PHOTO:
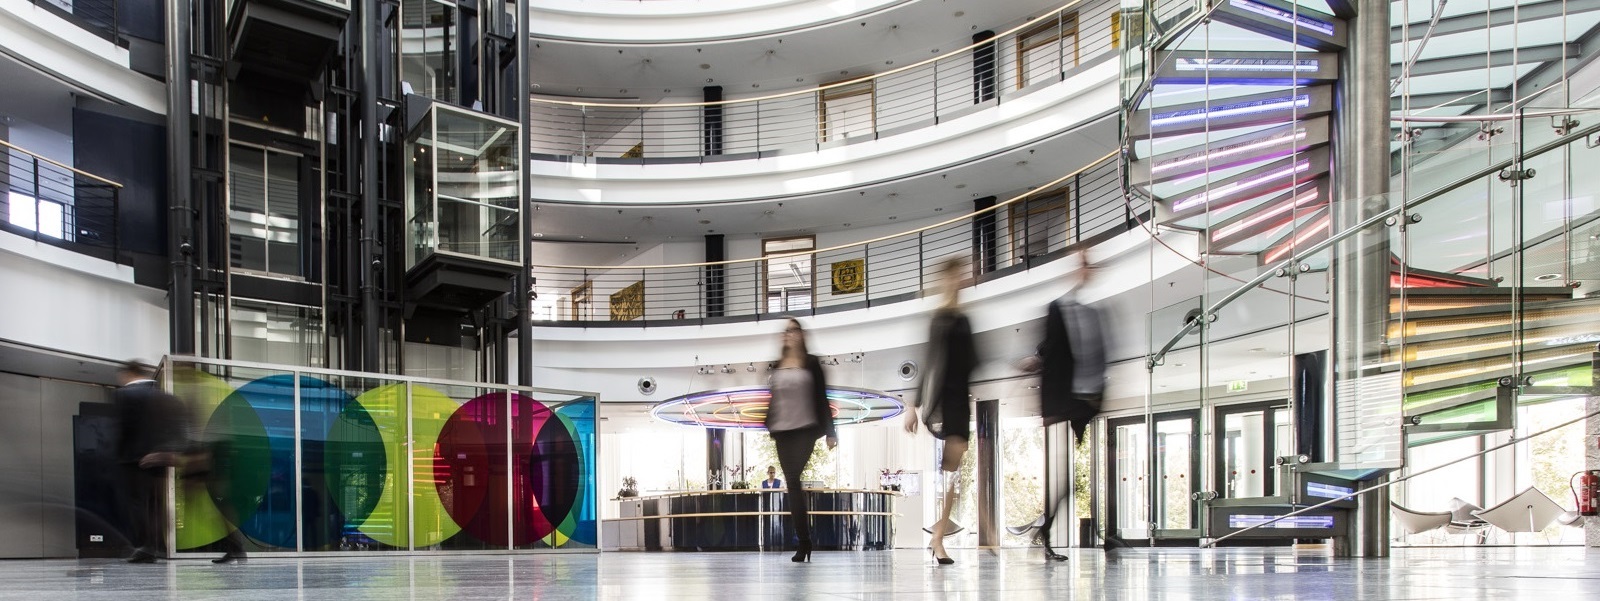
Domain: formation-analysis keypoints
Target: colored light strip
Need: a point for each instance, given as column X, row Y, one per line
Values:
column 1321, row 225
column 1327, row 491
column 1235, row 149
column 1317, row 522
column 1304, row 198
column 1278, row 14
column 1266, row 105
column 1253, row 65
column 747, row 407
column 1224, row 191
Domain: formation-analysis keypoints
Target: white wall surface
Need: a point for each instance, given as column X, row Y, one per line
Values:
column 54, row 45
column 59, row 299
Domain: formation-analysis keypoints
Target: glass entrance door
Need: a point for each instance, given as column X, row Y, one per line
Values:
column 1163, row 508
column 1177, row 467
column 1252, row 437
column 1130, row 491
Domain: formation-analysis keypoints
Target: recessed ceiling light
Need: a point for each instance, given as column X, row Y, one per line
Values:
column 1179, row 364
column 768, row 212
column 960, row 186
column 1258, row 349
column 705, row 222
column 1547, row 277
column 847, row 225
column 538, row 234
column 892, row 218
column 705, row 66
column 960, row 13
column 937, row 209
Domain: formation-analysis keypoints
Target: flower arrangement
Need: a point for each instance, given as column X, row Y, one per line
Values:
column 630, row 488
column 888, row 480
column 738, row 473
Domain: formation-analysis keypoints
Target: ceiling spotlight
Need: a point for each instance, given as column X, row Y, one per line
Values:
column 750, row 368
column 1547, row 277
column 727, row 369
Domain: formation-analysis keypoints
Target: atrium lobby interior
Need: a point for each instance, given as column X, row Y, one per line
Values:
column 511, row 299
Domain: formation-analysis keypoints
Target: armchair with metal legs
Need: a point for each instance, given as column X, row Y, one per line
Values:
column 1529, row 511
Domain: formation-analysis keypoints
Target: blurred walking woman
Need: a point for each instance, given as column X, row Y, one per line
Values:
column 944, row 397
column 798, row 416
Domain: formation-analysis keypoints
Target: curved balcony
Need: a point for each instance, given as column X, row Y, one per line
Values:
column 1005, row 78
column 1073, row 211
column 668, row 21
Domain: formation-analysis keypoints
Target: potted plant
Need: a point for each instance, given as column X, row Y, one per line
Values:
column 630, row 488
column 737, row 474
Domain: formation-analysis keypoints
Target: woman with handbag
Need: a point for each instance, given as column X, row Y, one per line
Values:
column 798, row 415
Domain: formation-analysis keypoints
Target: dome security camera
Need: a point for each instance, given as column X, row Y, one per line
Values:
column 647, row 386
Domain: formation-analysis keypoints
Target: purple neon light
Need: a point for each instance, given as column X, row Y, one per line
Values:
column 1265, row 105
column 1258, row 65
column 746, row 407
column 1223, row 152
column 1221, row 192
column 1278, row 14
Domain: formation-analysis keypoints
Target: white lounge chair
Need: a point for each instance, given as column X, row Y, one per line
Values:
column 1418, row 522
column 1528, row 511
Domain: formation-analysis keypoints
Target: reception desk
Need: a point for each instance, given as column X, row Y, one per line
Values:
column 750, row 520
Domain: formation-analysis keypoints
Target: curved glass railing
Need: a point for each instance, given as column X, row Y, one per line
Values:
column 1041, row 52
column 1073, row 211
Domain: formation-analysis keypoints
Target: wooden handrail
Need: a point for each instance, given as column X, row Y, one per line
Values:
column 58, row 164
column 1041, row 189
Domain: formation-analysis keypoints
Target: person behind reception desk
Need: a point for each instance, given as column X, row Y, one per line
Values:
column 797, row 416
column 772, row 480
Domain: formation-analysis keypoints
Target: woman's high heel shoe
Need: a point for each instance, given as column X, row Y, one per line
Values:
column 804, row 554
column 944, row 561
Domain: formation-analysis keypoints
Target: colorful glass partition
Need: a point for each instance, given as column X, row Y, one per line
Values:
column 299, row 460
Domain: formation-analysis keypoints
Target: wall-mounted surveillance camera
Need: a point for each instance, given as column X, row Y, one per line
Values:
column 908, row 370
column 647, row 386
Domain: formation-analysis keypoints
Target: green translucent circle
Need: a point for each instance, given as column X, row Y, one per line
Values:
column 430, row 409
column 199, row 522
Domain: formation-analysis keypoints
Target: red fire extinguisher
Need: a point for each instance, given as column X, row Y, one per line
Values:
column 1586, row 487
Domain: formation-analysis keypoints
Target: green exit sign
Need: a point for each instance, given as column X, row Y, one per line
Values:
column 1238, row 386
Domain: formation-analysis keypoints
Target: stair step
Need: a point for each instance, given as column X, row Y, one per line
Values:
column 1279, row 20
column 1267, row 144
column 1213, row 67
column 1448, row 323
column 1425, row 303
column 1268, row 179
column 1265, row 108
column 1287, row 208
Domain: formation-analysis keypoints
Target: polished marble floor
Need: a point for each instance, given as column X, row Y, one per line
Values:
column 1541, row 574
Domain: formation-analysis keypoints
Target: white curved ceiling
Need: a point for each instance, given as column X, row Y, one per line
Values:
column 744, row 62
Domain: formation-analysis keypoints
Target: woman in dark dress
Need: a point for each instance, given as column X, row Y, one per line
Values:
column 944, row 399
column 798, row 415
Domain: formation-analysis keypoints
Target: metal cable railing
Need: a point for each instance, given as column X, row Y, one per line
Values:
column 1073, row 211
column 57, row 204
column 96, row 16
column 1043, row 51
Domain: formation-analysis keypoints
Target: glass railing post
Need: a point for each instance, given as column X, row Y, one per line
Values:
column 37, row 199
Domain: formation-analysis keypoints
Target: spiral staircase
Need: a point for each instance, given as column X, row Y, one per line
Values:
column 1228, row 132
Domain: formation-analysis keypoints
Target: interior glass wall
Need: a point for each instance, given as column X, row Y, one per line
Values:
column 264, row 210
column 309, row 460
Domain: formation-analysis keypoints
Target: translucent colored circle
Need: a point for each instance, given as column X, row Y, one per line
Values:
column 580, row 524
column 430, row 410
column 255, row 430
column 471, row 451
column 355, row 470
column 200, row 522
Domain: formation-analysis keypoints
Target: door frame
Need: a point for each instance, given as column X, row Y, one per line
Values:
column 1268, row 444
column 1157, row 536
